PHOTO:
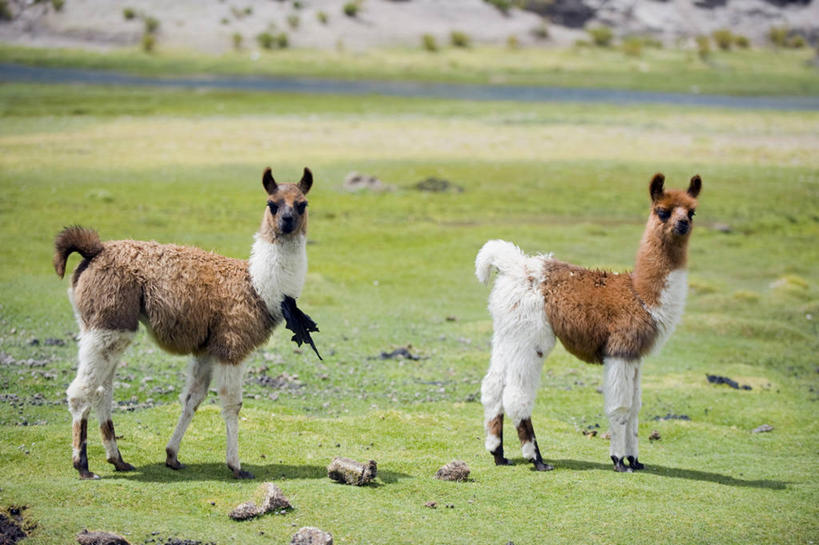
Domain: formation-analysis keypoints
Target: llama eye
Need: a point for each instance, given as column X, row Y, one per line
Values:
column 663, row 214
column 273, row 208
column 691, row 214
column 301, row 207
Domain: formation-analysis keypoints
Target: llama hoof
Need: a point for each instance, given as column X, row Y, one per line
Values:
column 88, row 476
column 242, row 474
column 119, row 465
column 501, row 461
column 174, row 464
column 634, row 463
column 619, row 466
column 541, row 466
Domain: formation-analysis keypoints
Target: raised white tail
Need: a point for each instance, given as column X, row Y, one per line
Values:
column 504, row 256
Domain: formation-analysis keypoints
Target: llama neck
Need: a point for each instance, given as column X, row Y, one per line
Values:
column 277, row 269
column 660, row 279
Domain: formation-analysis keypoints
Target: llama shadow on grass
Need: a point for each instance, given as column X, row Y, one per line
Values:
column 219, row 472
column 676, row 473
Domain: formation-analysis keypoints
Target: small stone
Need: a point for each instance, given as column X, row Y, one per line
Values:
column 431, row 504
column 457, row 470
column 349, row 471
column 655, row 436
column 763, row 429
column 245, row 511
column 274, row 499
column 100, row 538
column 310, row 535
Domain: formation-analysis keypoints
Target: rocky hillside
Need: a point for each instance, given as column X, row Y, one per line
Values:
column 217, row 25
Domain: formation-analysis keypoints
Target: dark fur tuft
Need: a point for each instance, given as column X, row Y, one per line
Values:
column 75, row 239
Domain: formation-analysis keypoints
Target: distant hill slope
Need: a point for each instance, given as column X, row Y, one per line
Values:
column 213, row 25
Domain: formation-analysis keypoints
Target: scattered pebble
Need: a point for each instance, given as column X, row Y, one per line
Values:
column 431, row 504
column 763, row 429
column 457, row 470
column 400, row 353
column 655, row 436
column 100, row 538
column 671, row 416
column 274, row 501
column 311, row 536
column 348, row 471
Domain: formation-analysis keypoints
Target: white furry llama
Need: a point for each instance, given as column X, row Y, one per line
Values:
column 600, row 317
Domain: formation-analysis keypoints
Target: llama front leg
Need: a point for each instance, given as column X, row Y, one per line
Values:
column 198, row 379
column 230, row 392
column 632, row 440
column 618, row 392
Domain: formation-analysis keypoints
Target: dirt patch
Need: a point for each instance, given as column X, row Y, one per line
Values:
column 438, row 185
column 716, row 379
column 13, row 527
column 156, row 539
column 284, row 381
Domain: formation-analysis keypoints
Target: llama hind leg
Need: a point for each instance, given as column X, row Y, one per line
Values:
column 618, row 390
column 196, row 389
column 632, row 440
column 98, row 354
column 492, row 400
column 109, row 438
column 230, row 391
column 522, row 382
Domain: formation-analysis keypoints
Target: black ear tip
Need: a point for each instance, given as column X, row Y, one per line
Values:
column 696, row 179
column 658, row 178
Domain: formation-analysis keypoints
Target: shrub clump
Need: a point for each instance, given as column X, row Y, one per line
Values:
column 267, row 40
column 351, row 9
column 429, row 43
column 723, row 38
column 502, row 6
column 741, row 41
column 148, row 43
column 632, row 46
column 703, row 47
column 541, row 32
column 129, row 14
column 237, row 41
column 5, row 11
column 293, row 21
column 459, row 39
column 322, row 17
column 601, row 36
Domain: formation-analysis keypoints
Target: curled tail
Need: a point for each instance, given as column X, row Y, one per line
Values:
column 75, row 239
column 504, row 256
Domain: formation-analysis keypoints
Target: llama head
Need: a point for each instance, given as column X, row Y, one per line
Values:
column 286, row 212
column 672, row 211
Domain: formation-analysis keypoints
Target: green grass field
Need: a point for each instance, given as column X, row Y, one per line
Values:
column 396, row 268
column 748, row 72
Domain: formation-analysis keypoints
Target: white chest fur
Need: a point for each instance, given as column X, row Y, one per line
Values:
column 670, row 308
column 278, row 269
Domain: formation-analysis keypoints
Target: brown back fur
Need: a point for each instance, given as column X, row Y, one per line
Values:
column 190, row 300
column 598, row 314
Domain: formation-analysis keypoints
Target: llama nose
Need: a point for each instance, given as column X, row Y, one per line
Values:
column 287, row 223
column 681, row 227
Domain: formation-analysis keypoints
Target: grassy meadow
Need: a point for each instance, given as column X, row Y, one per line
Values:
column 762, row 71
column 393, row 269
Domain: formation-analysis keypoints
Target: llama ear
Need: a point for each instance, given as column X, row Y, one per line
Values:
column 696, row 186
column 656, row 187
column 306, row 181
column 268, row 182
